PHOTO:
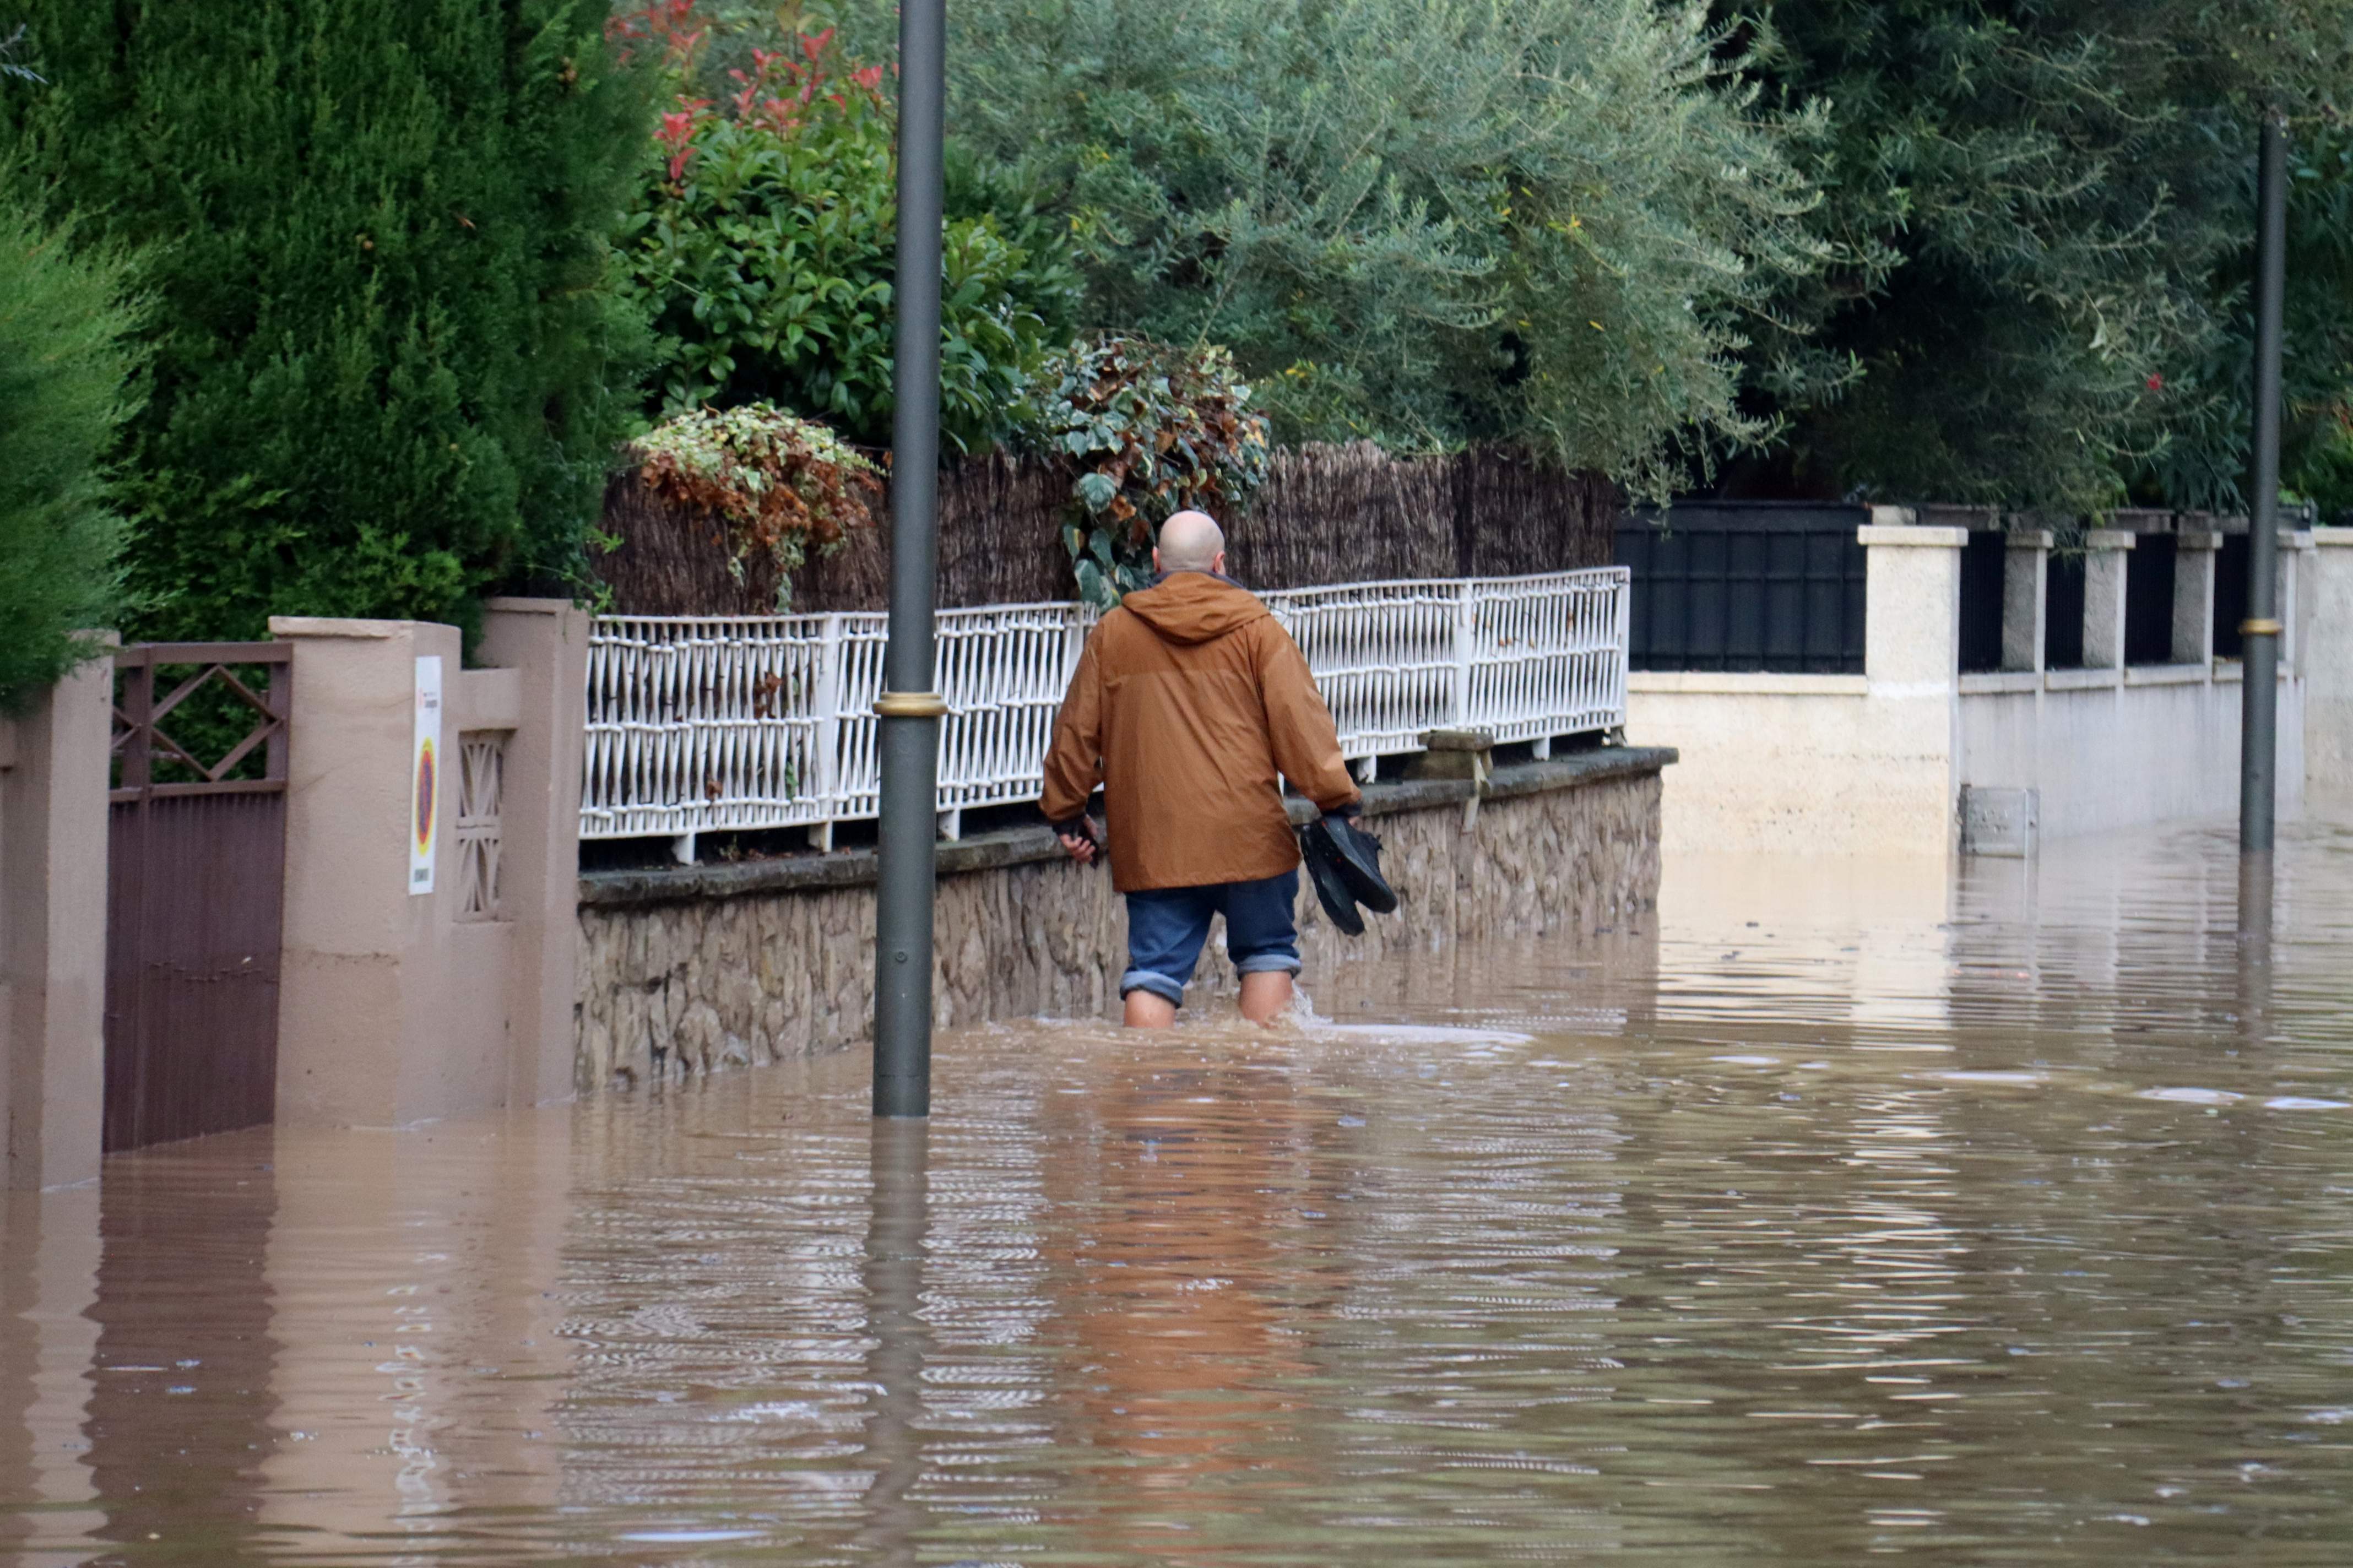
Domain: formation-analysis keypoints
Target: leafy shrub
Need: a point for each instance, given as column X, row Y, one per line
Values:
column 788, row 485
column 1153, row 430
column 762, row 250
column 65, row 389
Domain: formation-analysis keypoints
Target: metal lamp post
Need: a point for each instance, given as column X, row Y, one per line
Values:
column 2260, row 631
column 910, row 710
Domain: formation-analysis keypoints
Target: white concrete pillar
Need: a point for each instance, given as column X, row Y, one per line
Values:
column 53, row 855
column 2195, row 551
column 2295, row 551
column 2025, row 598
column 2328, row 637
column 1912, row 660
column 2106, row 554
column 1912, row 618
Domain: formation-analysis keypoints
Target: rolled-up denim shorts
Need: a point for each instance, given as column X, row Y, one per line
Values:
column 1166, row 926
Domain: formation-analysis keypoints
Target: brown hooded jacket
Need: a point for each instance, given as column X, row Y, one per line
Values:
column 1190, row 699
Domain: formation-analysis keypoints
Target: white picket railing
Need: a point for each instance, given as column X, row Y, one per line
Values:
column 710, row 724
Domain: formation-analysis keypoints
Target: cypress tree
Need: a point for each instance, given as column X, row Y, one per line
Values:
column 384, row 341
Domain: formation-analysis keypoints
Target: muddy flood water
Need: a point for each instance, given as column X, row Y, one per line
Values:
column 1999, row 1218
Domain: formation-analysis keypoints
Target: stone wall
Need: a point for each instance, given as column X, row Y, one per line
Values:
column 689, row 969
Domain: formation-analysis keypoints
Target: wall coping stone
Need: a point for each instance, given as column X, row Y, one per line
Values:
column 1023, row 846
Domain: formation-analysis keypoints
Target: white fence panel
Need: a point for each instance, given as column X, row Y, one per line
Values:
column 714, row 724
column 1385, row 656
column 1549, row 656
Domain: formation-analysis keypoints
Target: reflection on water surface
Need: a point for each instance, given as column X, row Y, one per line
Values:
column 1847, row 1211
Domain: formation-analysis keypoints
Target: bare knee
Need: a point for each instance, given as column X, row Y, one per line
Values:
column 1148, row 1010
column 1266, row 996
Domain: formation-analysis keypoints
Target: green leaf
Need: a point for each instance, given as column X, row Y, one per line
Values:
column 1096, row 491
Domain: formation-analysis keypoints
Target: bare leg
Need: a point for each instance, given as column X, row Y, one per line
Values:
column 1266, row 996
column 1147, row 1011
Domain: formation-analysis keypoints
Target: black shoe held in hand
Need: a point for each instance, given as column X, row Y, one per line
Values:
column 1344, row 863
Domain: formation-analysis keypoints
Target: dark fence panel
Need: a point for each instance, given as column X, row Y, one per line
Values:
column 2149, row 573
column 1746, row 585
column 2062, row 612
column 1984, row 562
column 197, row 858
column 1327, row 514
column 2230, row 594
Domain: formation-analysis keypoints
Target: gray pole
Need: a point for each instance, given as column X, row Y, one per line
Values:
column 2260, row 631
column 897, row 1237
column 910, row 709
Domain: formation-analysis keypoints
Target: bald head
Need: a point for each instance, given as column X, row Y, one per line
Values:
column 1191, row 541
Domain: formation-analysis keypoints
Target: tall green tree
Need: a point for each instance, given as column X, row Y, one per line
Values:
column 66, row 386
column 2041, row 211
column 386, row 341
column 1556, row 222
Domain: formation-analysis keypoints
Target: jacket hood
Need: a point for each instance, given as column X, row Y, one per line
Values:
column 1194, row 607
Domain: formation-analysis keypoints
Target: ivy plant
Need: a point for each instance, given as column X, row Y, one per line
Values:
column 1151, row 430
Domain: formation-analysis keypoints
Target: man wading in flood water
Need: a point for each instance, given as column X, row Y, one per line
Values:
column 1188, row 702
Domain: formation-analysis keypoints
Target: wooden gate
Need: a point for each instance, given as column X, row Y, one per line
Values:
column 197, row 856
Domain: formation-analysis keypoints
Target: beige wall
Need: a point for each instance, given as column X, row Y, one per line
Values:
column 397, row 1008
column 2109, row 748
column 1874, row 764
column 2327, row 661
column 1845, row 763
column 53, row 826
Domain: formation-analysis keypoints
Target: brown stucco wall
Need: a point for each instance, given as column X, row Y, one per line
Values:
column 686, row 970
column 53, row 849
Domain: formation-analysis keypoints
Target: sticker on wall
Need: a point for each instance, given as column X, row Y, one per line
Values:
column 425, row 776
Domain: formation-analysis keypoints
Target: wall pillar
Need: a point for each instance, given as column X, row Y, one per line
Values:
column 53, row 844
column 2196, row 550
column 2328, row 667
column 1912, row 661
column 2297, row 548
column 545, row 642
column 2106, row 554
column 397, row 1006
column 2025, row 598
column 356, row 1014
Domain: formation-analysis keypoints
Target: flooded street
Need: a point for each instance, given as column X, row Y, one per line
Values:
column 2004, row 1220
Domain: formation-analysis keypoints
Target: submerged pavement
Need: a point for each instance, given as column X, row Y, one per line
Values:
column 1998, row 1215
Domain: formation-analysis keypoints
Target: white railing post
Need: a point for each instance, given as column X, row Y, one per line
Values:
column 1466, row 627
column 1621, row 599
column 825, row 737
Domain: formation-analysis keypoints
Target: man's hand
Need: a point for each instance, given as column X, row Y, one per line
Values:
column 1083, row 841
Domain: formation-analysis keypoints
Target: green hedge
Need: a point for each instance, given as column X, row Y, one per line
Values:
column 387, row 333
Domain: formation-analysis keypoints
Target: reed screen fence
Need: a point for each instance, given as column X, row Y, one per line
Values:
column 704, row 724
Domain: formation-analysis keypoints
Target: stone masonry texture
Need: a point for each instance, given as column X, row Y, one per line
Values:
column 676, row 987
